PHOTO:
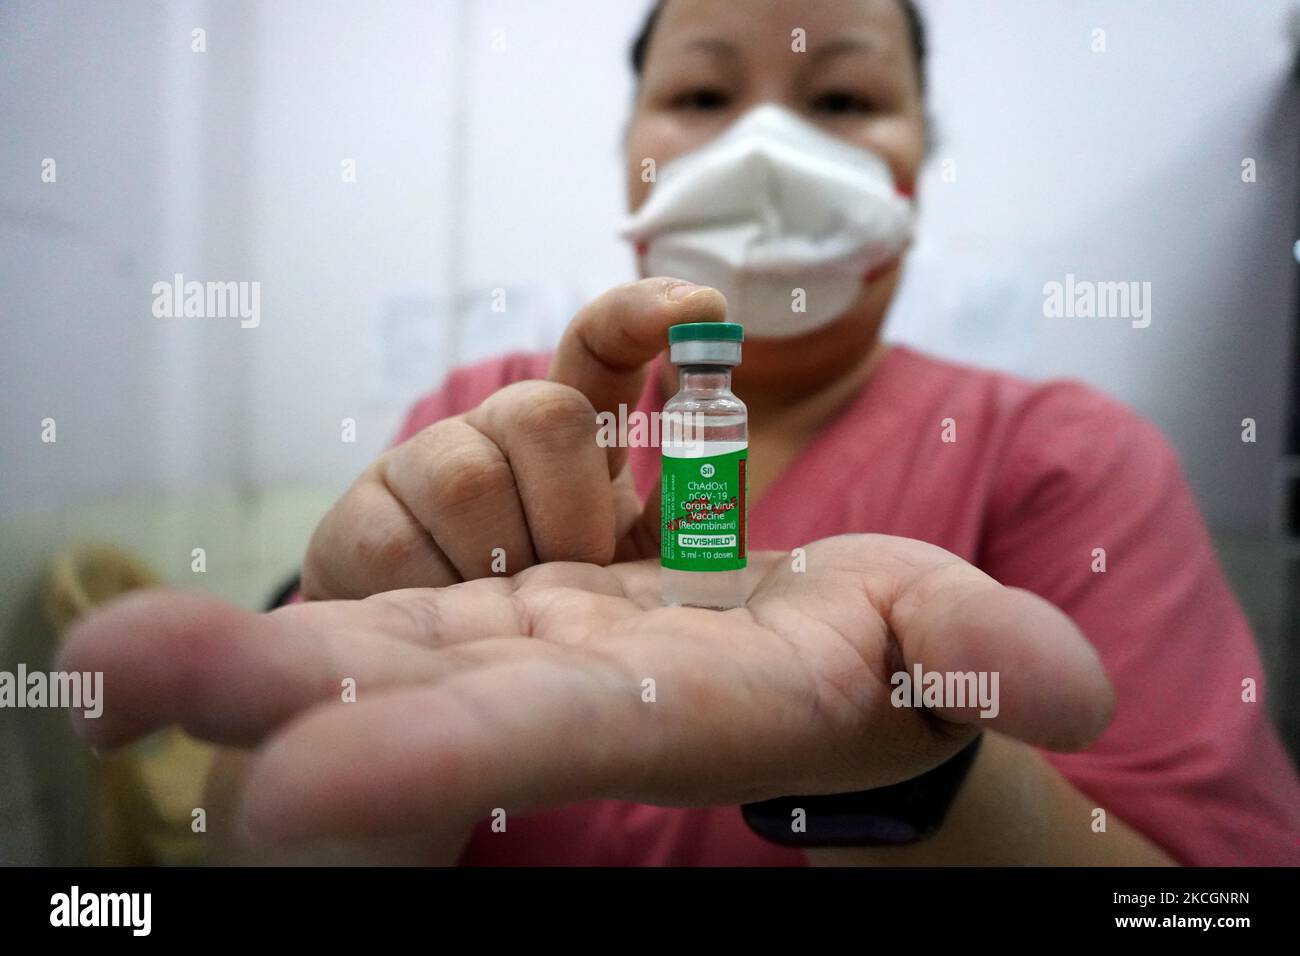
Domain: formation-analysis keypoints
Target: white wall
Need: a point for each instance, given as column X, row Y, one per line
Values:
column 1126, row 165
column 92, row 94
column 480, row 168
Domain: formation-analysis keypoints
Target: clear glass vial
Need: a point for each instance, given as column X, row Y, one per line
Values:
column 705, row 446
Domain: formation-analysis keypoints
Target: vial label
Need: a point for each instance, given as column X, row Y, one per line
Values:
column 704, row 506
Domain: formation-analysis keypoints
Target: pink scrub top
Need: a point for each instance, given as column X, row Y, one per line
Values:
column 1039, row 476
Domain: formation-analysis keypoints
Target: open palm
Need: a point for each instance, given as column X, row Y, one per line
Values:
column 571, row 681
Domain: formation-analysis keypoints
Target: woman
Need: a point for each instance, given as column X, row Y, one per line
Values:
column 560, row 715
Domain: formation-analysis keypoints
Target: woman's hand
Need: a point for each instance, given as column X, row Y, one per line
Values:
column 570, row 681
column 521, row 472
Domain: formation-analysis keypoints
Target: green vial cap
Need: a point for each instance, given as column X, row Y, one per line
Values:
column 706, row 332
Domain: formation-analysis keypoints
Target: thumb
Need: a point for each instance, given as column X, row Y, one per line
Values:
column 1054, row 691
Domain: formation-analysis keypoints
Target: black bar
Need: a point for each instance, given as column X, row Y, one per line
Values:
column 823, row 907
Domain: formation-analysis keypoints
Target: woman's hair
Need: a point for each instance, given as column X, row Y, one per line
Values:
column 915, row 33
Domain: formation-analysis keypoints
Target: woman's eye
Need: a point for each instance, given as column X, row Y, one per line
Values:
column 701, row 99
column 841, row 102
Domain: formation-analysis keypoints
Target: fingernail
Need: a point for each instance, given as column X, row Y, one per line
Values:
column 682, row 290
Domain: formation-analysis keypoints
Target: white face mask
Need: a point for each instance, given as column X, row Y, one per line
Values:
column 782, row 218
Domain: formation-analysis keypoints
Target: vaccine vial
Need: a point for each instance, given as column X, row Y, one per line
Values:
column 705, row 444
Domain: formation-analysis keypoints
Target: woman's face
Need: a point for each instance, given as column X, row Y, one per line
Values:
column 711, row 61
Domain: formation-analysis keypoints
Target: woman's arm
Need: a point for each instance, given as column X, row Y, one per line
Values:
column 1014, row 809
column 1092, row 513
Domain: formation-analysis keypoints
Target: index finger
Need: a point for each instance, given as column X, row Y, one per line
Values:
column 606, row 348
